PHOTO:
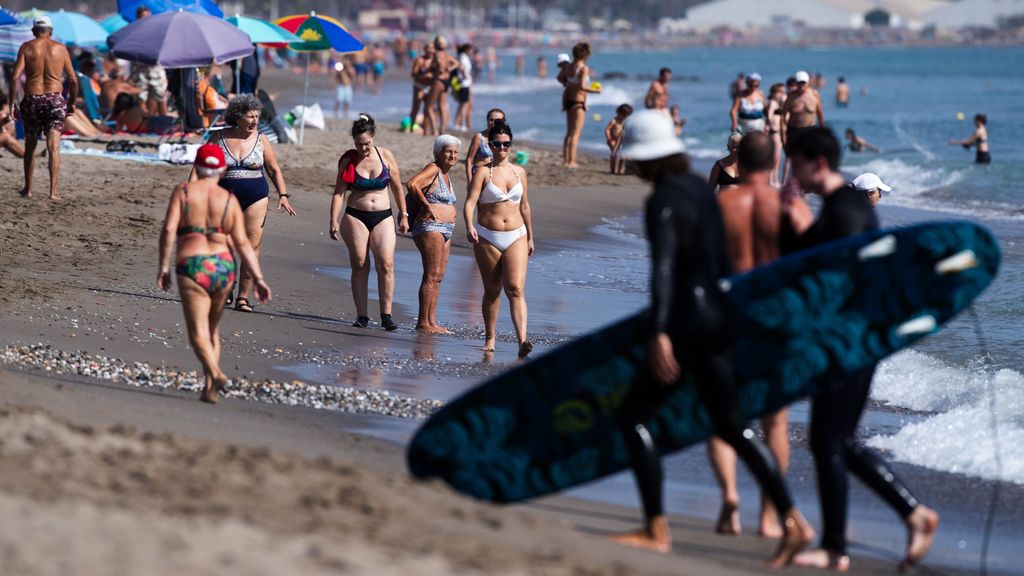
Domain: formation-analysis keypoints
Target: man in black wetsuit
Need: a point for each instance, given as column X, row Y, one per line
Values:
column 836, row 411
column 691, row 323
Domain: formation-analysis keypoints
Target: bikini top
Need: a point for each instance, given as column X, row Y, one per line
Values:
column 724, row 178
column 443, row 194
column 576, row 77
column 248, row 166
column 357, row 182
column 184, row 230
column 492, row 194
column 484, row 151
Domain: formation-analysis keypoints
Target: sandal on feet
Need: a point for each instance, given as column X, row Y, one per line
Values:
column 729, row 519
column 524, row 349
column 361, row 322
column 242, row 305
column 388, row 323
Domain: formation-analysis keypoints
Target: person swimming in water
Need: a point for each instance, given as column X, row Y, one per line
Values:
column 857, row 144
column 979, row 140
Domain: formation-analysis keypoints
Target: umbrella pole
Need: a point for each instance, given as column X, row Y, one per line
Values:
column 305, row 102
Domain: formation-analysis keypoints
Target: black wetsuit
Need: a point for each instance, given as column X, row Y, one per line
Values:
column 836, row 411
column 690, row 255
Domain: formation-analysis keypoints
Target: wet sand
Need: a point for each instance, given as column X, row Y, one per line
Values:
column 246, row 487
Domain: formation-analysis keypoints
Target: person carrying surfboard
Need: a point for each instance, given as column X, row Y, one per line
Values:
column 835, row 411
column 691, row 326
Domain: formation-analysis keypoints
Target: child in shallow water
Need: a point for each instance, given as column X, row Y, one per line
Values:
column 613, row 137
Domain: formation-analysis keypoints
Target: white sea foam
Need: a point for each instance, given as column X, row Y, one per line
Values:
column 611, row 96
column 958, row 438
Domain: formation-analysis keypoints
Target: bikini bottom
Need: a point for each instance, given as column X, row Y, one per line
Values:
column 213, row 272
column 445, row 229
column 370, row 219
column 501, row 239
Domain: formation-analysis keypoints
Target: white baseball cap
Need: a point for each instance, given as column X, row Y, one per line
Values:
column 648, row 135
column 753, row 76
column 802, row 76
column 563, row 57
column 42, row 22
column 869, row 181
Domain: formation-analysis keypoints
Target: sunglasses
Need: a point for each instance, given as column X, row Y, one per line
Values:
column 502, row 145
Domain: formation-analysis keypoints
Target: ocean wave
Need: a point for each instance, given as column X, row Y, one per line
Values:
column 958, row 438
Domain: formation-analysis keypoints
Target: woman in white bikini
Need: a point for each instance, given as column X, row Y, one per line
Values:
column 502, row 237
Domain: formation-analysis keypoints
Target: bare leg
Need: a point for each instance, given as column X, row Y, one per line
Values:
column 417, row 100
column 11, row 144
column 577, row 116
column 488, row 259
column 197, row 306
column 357, row 238
column 443, row 103
column 29, row 162
column 255, row 216
column 776, row 433
column 53, row 149
column 514, row 261
column 433, row 251
column 723, row 462
column 382, row 245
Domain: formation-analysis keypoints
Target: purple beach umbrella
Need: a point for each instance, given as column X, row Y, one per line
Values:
column 180, row 40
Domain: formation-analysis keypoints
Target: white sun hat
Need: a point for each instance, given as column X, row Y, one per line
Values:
column 869, row 181
column 648, row 135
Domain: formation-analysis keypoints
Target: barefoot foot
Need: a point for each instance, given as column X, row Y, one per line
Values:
column 797, row 535
column 25, row 192
column 655, row 537
column 524, row 349
column 489, row 343
column 729, row 519
column 921, row 526
column 769, row 526
column 822, row 560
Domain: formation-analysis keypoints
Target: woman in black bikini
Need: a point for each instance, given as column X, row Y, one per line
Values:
column 979, row 140
column 576, row 79
column 725, row 172
column 368, row 225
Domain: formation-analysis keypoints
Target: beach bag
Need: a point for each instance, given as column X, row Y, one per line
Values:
column 311, row 116
column 412, row 202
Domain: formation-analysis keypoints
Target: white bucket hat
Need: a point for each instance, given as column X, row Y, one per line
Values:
column 648, row 135
column 869, row 181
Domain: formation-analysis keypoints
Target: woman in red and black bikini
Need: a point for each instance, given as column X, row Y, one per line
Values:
column 368, row 225
column 201, row 218
column 576, row 79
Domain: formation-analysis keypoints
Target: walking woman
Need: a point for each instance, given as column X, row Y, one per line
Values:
column 435, row 116
column 250, row 159
column 201, row 218
column 368, row 226
column 434, row 225
column 979, row 140
column 502, row 235
column 576, row 79
column 748, row 107
column 479, row 154
column 776, row 97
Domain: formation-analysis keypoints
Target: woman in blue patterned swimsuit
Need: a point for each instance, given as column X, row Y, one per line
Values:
column 201, row 218
column 434, row 225
column 250, row 159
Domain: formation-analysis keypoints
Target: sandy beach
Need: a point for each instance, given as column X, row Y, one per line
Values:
column 107, row 476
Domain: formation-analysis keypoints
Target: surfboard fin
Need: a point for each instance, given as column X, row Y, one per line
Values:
column 963, row 260
column 921, row 325
column 884, row 246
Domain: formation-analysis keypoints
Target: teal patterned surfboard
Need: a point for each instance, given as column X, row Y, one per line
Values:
column 801, row 323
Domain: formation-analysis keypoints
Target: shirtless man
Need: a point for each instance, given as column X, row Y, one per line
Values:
column 842, row 93
column 657, row 94
column 44, row 62
column 114, row 86
column 344, row 77
column 802, row 109
column 422, row 77
column 752, row 214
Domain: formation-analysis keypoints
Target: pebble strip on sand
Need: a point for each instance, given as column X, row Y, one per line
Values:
column 294, row 393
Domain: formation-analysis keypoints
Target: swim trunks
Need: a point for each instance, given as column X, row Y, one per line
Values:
column 43, row 112
column 792, row 131
column 343, row 94
column 151, row 80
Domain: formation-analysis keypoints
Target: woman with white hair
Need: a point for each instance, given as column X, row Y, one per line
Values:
column 250, row 159
column 433, row 212
column 202, row 218
column 748, row 107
